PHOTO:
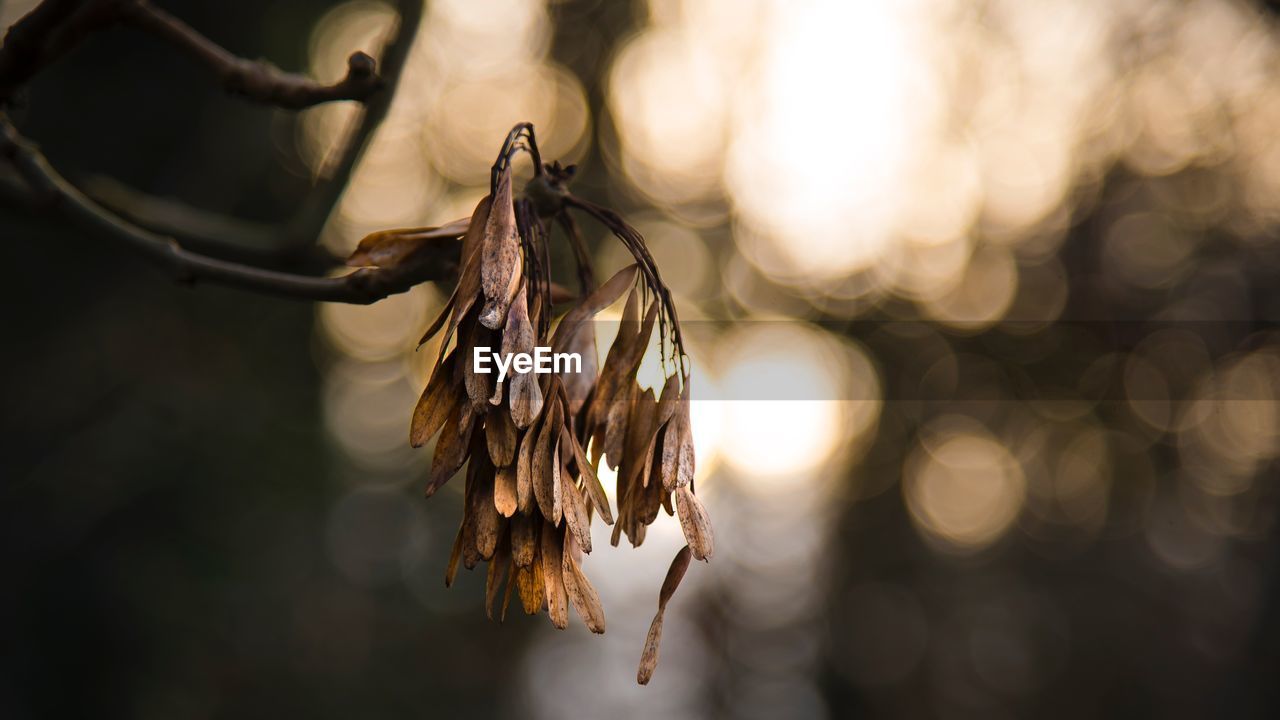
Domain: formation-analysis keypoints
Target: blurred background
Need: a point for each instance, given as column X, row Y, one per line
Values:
column 982, row 301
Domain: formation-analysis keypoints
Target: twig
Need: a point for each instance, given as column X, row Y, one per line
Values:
column 56, row 25
column 318, row 205
column 361, row 287
column 193, row 227
column 256, row 80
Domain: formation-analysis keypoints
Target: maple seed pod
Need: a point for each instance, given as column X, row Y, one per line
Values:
column 401, row 247
column 649, row 656
column 500, row 262
column 524, row 394
column 531, row 444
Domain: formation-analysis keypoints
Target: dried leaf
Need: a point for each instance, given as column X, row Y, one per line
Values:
column 649, row 656
column 469, row 274
column 553, row 576
column 451, row 449
column 684, row 446
column 611, row 404
column 675, row 573
column 595, row 490
column 504, row 491
column 669, row 400
column 545, row 487
column 623, row 520
column 500, row 436
column 439, row 400
column 530, row 587
column 525, row 396
column 603, row 296
column 615, row 433
column 518, row 335
column 664, row 501
column 524, row 471
column 524, row 539
column 391, row 248
column 479, row 385
column 578, row 385
column 500, row 261
column 488, row 522
column 499, row 567
column 612, row 373
column 650, row 500
column 640, row 427
column 636, row 347
column 695, row 522
column 582, row 595
column 526, row 399
column 674, row 450
column 557, row 489
column 445, row 313
column 575, row 511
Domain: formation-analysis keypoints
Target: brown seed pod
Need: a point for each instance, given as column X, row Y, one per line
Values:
column 464, row 295
column 531, row 443
column 524, row 539
column 499, row 569
column 451, row 448
column 649, row 656
column 500, row 436
column 401, row 246
column 529, row 584
column 504, row 491
column 500, row 263
column 553, row 575
column 525, row 495
column 575, row 511
column 518, row 337
column 546, row 465
column 438, row 401
column 590, row 481
column 582, row 595
column 695, row 523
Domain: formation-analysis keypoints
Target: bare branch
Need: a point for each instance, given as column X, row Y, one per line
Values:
column 52, row 193
column 56, row 25
column 193, row 227
column 256, row 80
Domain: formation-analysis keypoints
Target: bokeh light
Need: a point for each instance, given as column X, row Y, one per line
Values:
column 962, row 487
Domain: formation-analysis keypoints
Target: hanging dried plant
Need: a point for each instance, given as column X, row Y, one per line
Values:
column 532, row 442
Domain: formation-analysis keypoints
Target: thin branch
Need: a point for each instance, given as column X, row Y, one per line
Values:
column 53, row 194
column 316, row 208
column 205, row 231
column 256, row 80
column 55, row 25
column 169, row 216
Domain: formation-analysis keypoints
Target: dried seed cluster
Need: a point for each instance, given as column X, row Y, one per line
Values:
column 531, row 489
